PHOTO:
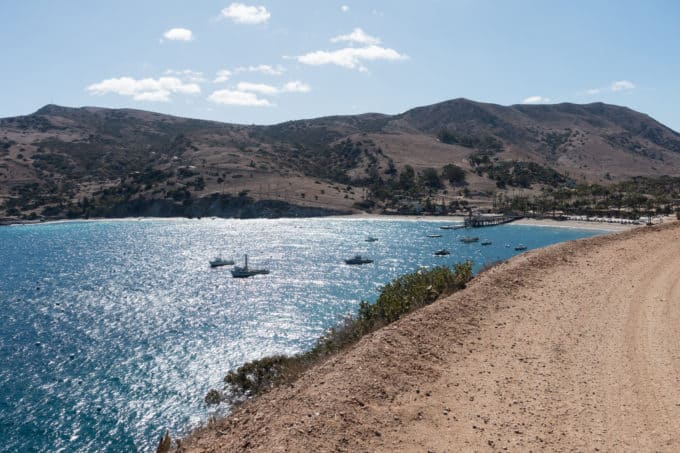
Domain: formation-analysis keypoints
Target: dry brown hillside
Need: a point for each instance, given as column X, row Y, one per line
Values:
column 63, row 161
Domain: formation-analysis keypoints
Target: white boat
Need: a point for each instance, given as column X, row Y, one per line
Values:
column 469, row 239
column 245, row 271
column 218, row 261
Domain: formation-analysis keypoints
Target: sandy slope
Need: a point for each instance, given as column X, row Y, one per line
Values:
column 571, row 348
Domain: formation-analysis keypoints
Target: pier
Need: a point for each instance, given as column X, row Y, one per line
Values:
column 484, row 220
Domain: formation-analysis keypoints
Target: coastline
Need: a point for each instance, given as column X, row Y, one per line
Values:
column 600, row 226
column 370, row 397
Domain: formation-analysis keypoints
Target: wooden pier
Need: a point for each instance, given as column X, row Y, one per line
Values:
column 478, row 221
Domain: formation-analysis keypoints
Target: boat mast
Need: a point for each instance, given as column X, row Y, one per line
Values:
column 246, row 259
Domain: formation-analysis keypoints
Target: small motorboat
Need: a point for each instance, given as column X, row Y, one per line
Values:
column 521, row 247
column 469, row 239
column 486, row 242
column 245, row 271
column 447, row 227
column 434, row 235
column 371, row 239
column 358, row 259
column 218, row 261
column 442, row 252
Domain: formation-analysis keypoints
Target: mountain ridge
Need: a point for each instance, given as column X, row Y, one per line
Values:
column 336, row 162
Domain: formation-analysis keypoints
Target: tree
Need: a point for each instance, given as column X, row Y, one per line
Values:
column 454, row 174
column 430, row 178
column 391, row 169
column 407, row 178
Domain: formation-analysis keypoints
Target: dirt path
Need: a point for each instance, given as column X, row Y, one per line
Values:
column 575, row 347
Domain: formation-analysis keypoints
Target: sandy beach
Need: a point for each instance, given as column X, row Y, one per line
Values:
column 571, row 347
column 602, row 226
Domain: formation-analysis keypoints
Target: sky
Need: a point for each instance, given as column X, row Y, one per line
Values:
column 268, row 61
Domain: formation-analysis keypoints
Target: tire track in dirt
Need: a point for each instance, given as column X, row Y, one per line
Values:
column 652, row 342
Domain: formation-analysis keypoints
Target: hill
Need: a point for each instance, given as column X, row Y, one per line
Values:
column 75, row 162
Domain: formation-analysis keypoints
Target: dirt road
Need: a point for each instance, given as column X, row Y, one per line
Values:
column 571, row 348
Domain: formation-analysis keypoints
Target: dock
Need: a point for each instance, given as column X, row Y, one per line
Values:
column 484, row 220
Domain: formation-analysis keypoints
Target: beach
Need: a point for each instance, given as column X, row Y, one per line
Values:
column 604, row 226
column 588, row 225
column 570, row 347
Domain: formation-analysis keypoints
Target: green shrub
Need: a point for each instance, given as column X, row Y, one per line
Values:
column 417, row 289
column 430, row 178
column 255, row 376
column 454, row 174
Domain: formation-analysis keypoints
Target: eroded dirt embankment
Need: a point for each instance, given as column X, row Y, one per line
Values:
column 572, row 347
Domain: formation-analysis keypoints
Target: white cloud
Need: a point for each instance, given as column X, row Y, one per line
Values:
column 153, row 96
column 246, row 14
column 257, row 88
column 296, row 87
column 535, row 100
column 262, row 69
column 178, row 34
column 344, row 8
column 291, row 87
column 222, row 76
column 357, row 36
column 241, row 98
column 158, row 90
column 187, row 74
column 622, row 85
column 351, row 57
column 619, row 85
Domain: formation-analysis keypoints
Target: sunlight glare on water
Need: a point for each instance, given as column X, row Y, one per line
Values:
column 114, row 330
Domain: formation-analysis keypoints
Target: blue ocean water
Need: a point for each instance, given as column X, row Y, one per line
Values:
column 113, row 331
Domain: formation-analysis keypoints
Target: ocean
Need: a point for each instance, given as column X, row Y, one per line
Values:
column 113, row 331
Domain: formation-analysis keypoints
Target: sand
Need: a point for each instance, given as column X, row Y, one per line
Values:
column 573, row 347
column 582, row 225
column 601, row 226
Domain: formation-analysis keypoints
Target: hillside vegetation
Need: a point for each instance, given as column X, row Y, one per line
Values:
column 83, row 162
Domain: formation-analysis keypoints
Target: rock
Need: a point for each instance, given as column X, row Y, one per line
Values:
column 165, row 443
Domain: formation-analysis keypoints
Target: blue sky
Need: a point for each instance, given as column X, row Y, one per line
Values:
column 281, row 60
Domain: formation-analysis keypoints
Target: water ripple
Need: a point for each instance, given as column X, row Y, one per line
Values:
column 113, row 331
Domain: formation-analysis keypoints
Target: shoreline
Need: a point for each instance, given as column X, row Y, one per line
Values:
column 600, row 226
column 375, row 386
